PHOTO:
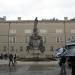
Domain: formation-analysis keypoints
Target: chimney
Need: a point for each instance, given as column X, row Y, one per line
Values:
column 65, row 18
column 19, row 18
column 4, row 17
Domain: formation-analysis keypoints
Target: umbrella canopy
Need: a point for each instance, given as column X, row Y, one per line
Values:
column 70, row 52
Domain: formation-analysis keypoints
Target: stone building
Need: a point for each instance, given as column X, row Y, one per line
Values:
column 14, row 36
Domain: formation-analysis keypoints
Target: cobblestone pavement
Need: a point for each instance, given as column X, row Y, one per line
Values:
column 31, row 68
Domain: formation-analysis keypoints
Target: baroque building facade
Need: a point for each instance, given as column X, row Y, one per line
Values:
column 14, row 36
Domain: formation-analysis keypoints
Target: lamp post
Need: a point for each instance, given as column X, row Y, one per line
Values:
column 64, row 33
column 8, row 36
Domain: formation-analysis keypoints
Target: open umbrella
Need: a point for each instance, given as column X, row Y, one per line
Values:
column 70, row 52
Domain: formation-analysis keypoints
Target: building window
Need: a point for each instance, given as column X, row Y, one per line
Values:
column 12, row 39
column 58, row 39
column 72, row 34
column 73, row 37
column 12, row 48
column 28, row 31
column 21, row 48
column 4, row 48
column 51, row 48
column 27, row 38
column 43, row 31
column 72, row 31
column 59, row 31
column 12, row 31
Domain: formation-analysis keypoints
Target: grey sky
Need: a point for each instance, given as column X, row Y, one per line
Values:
column 29, row 9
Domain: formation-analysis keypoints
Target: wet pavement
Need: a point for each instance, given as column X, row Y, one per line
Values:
column 32, row 68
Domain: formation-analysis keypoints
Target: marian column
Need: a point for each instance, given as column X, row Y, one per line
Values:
column 36, row 41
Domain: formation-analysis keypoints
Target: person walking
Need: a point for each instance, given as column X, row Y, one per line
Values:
column 62, row 65
column 11, row 60
column 14, row 58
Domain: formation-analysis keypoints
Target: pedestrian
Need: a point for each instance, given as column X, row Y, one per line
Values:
column 1, row 57
column 11, row 60
column 62, row 65
column 14, row 58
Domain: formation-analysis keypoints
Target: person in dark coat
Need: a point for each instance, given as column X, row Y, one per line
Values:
column 15, row 59
column 72, row 59
column 11, row 59
column 62, row 65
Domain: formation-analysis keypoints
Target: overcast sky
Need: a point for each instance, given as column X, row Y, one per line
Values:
column 29, row 9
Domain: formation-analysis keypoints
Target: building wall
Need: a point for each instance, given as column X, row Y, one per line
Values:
column 14, row 38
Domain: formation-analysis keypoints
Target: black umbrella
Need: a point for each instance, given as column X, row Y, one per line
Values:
column 70, row 52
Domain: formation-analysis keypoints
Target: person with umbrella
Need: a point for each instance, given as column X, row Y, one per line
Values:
column 62, row 65
column 71, row 54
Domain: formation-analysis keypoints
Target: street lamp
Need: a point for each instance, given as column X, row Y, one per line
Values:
column 8, row 36
column 65, row 32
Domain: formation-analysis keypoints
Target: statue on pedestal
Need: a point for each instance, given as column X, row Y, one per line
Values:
column 36, row 41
